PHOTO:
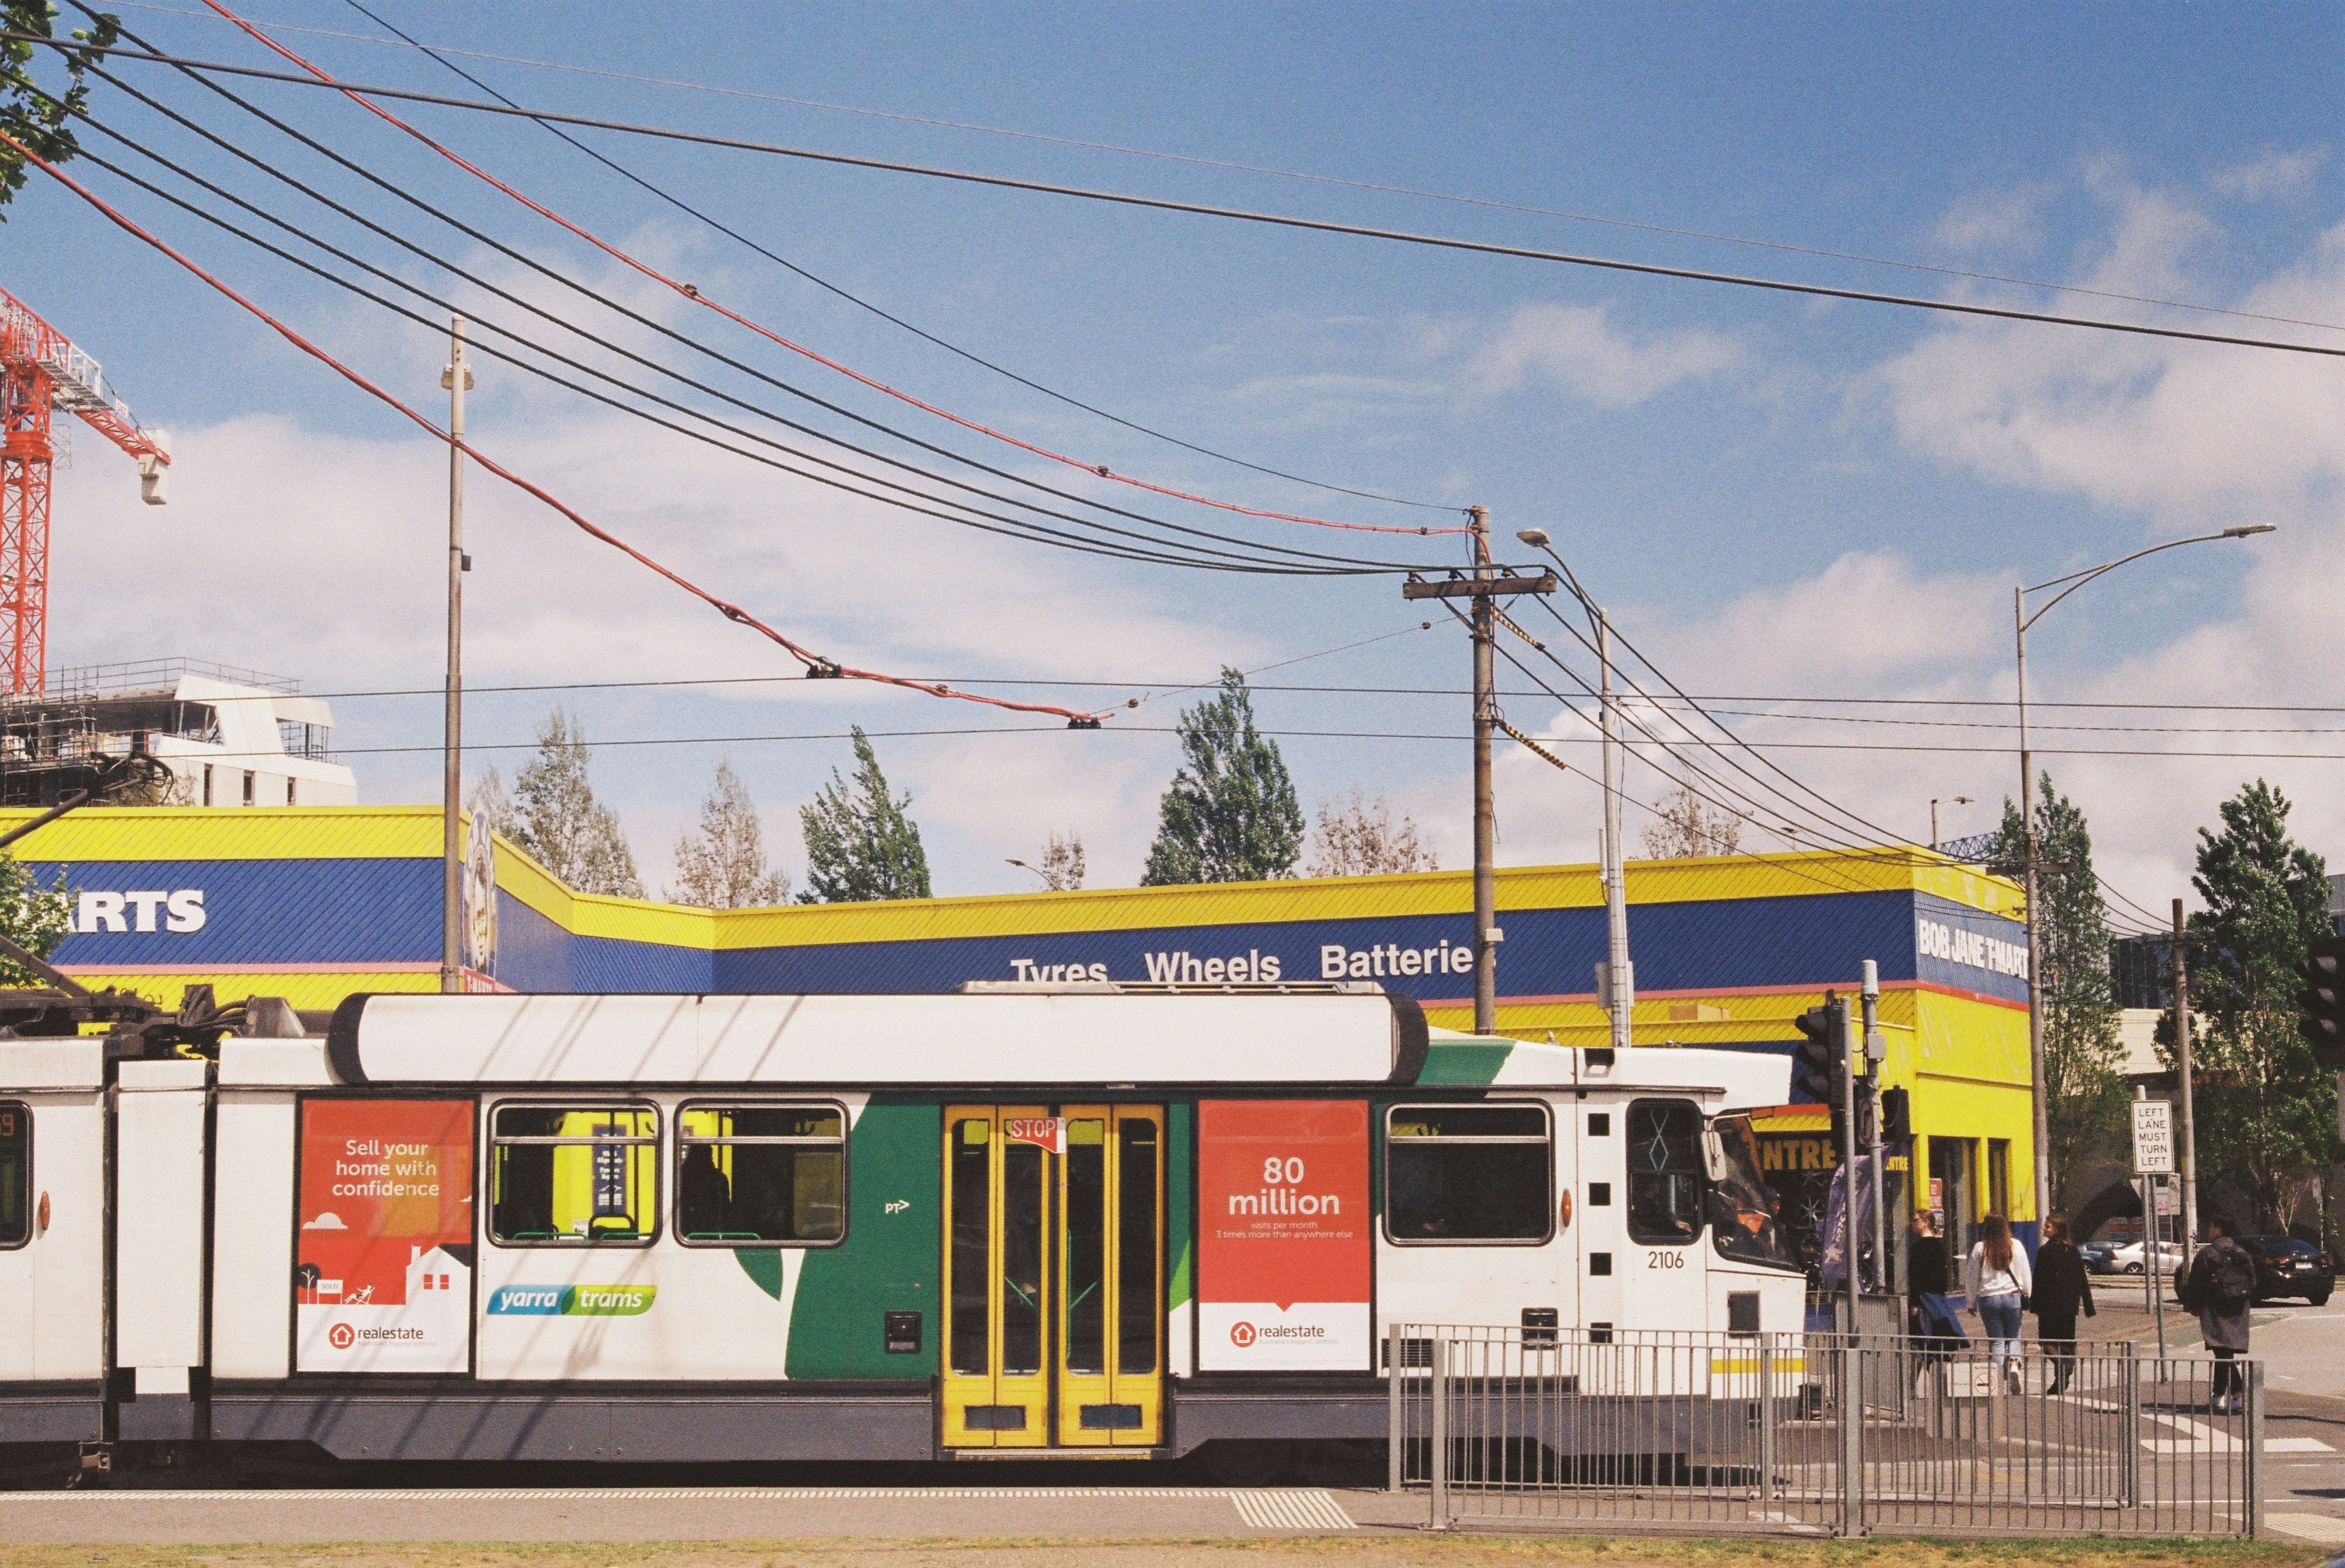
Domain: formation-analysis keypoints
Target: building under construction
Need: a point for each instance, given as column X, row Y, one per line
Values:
column 171, row 732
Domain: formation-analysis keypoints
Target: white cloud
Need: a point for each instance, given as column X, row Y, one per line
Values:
column 1577, row 349
column 2274, row 174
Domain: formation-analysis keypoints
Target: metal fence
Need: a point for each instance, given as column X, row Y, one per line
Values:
column 1819, row 1434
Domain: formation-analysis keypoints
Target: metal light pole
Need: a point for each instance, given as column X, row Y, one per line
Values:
column 1620, row 974
column 458, row 379
column 2022, row 620
column 1934, row 803
column 2182, row 1060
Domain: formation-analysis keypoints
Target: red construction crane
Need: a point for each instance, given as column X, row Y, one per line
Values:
column 40, row 369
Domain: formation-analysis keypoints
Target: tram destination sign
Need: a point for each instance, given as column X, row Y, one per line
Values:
column 2153, row 1138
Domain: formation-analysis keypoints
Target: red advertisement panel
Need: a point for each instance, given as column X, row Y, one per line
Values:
column 1282, row 1234
column 382, row 1274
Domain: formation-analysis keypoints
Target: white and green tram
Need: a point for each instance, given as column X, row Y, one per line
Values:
column 1075, row 1220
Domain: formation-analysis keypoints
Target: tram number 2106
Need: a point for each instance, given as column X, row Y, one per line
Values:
column 1664, row 1260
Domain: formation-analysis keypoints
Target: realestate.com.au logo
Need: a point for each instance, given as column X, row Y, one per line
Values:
column 571, row 1301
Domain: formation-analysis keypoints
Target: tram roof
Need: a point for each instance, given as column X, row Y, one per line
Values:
column 994, row 1036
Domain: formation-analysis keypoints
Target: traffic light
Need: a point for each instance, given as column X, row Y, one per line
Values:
column 1896, row 1116
column 2323, row 1001
column 1820, row 1065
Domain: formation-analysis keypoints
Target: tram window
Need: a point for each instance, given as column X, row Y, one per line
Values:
column 16, row 1174
column 1139, row 1302
column 750, row 1174
column 573, row 1175
column 972, row 1146
column 1665, row 1170
column 1743, row 1221
column 1467, row 1174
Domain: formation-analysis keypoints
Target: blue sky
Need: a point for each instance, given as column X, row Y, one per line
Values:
column 1777, row 496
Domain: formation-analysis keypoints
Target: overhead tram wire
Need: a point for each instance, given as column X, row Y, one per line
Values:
column 1862, row 821
column 1789, row 833
column 1491, row 203
column 1017, row 528
column 691, row 292
column 672, row 199
column 815, row 663
column 1202, row 209
column 661, row 328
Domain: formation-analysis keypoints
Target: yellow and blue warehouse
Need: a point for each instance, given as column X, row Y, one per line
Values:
column 314, row 903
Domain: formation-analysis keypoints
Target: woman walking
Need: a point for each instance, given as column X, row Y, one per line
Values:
column 1997, row 1278
column 2061, row 1287
column 2221, row 1288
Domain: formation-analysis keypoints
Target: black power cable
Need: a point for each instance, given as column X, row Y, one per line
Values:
column 556, row 276
column 1202, row 209
column 823, row 283
column 1019, row 528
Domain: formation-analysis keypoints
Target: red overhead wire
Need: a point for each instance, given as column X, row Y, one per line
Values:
column 693, row 293
column 813, row 661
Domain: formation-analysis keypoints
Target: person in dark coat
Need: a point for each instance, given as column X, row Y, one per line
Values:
column 1929, row 1277
column 2062, row 1285
column 2220, row 1288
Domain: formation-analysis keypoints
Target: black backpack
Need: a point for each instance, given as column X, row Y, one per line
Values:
column 2232, row 1277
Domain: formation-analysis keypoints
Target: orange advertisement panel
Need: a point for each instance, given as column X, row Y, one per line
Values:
column 382, row 1275
column 1283, row 1235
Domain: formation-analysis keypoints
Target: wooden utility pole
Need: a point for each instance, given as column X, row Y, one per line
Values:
column 457, row 379
column 1483, row 587
column 1487, row 933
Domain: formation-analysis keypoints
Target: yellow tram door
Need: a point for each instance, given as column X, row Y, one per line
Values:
column 1110, row 1293
column 997, row 1192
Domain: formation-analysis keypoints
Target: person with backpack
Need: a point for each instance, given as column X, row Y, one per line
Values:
column 2061, row 1287
column 2220, row 1287
column 1997, row 1280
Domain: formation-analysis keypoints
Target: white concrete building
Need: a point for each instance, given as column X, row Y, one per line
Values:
column 225, row 737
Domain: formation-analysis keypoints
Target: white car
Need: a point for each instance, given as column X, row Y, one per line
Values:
column 2128, row 1258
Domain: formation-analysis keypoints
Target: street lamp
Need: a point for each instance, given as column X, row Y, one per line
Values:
column 1021, row 865
column 1620, row 978
column 2022, row 620
column 1934, row 803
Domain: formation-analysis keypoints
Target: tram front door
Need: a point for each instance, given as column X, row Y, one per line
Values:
column 1054, row 1297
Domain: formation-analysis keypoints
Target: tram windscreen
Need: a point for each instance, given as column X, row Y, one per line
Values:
column 1665, row 1171
column 1742, row 1219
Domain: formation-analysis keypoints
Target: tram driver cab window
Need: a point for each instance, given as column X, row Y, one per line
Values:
column 1666, row 1170
column 1474, row 1174
column 16, row 1174
column 753, row 1174
column 573, row 1175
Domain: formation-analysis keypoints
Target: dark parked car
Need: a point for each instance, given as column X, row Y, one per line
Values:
column 2100, row 1256
column 2287, row 1267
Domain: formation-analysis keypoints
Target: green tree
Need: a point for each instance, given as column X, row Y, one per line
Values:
column 2084, row 1089
column 34, row 917
column 860, row 845
column 722, row 865
column 2267, row 1114
column 40, row 120
column 1231, row 815
column 556, row 818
